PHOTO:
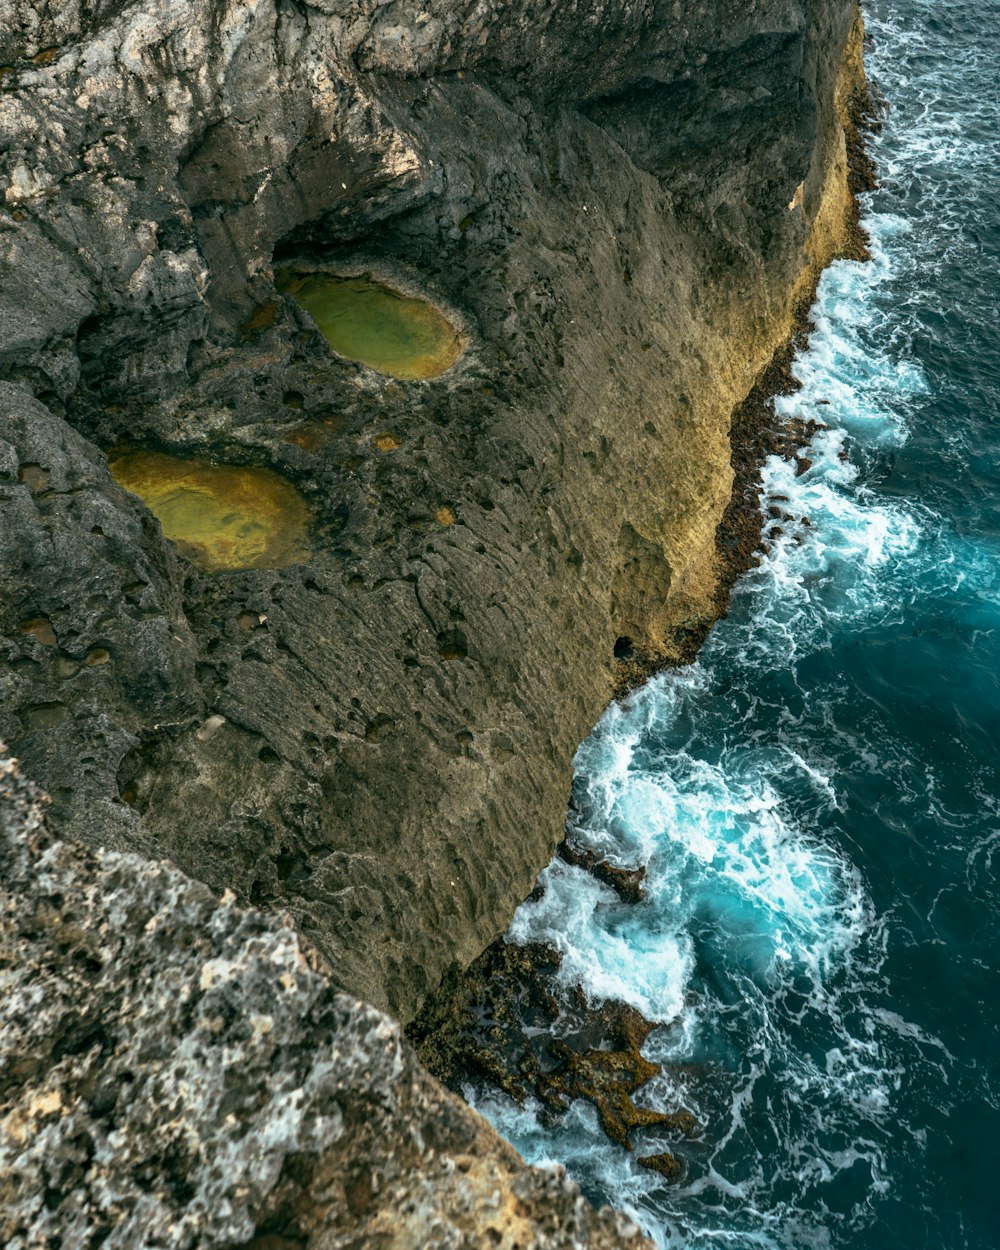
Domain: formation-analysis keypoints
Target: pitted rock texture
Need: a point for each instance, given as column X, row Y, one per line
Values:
column 175, row 1071
column 618, row 201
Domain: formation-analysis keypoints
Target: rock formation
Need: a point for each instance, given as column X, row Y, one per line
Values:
column 176, row 1071
column 619, row 201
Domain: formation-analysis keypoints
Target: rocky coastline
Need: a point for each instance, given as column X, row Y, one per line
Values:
column 379, row 741
column 622, row 208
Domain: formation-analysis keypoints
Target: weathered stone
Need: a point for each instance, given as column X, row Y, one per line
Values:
column 620, row 201
column 177, row 1071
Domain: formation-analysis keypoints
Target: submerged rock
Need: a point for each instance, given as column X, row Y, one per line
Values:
column 177, row 1071
column 665, row 1163
column 626, row 882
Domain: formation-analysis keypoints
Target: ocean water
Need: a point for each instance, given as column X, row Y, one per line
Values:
column 818, row 798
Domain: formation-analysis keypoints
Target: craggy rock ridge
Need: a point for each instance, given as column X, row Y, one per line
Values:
column 175, row 1071
column 502, row 1023
column 619, row 201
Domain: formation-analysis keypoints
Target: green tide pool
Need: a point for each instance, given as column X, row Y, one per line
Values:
column 367, row 321
column 220, row 516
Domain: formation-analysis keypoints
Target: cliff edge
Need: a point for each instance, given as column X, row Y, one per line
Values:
column 174, row 1071
column 614, row 204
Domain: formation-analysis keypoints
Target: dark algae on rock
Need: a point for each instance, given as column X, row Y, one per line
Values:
column 503, row 1022
column 626, row 882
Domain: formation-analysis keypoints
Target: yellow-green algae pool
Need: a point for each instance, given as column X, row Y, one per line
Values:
column 220, row 516
column 371, row 323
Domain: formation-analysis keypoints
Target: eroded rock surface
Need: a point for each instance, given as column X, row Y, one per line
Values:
column 177, row 1071
column 618, row 200
column 504, row 1023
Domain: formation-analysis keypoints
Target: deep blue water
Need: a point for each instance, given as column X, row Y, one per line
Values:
column 818, row 798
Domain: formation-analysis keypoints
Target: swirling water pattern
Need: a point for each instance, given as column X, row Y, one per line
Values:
column 818, row 798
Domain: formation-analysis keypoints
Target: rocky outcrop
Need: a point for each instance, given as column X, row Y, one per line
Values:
column 176, row 1071
column 620, row 200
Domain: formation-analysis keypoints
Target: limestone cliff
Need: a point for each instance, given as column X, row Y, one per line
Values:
column 617, row 200
column 175, row 1072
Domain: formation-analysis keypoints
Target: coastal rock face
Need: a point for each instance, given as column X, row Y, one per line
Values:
column 175, row 1071
column 618, row 202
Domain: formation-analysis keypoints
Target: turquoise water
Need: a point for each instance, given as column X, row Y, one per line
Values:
column 817, row 798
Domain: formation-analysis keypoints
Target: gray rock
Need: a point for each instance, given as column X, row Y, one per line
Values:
column 380, row 742
column 177, row 1071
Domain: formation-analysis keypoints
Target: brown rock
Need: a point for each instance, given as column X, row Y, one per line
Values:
column 665, row 1163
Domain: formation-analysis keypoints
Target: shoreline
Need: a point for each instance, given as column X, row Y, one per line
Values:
column 755, row 431
column 375, row 747
column 508, row 984
column 380, row 743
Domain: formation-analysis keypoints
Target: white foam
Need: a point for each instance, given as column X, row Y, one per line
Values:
column 633, row 963
column 757, row 944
